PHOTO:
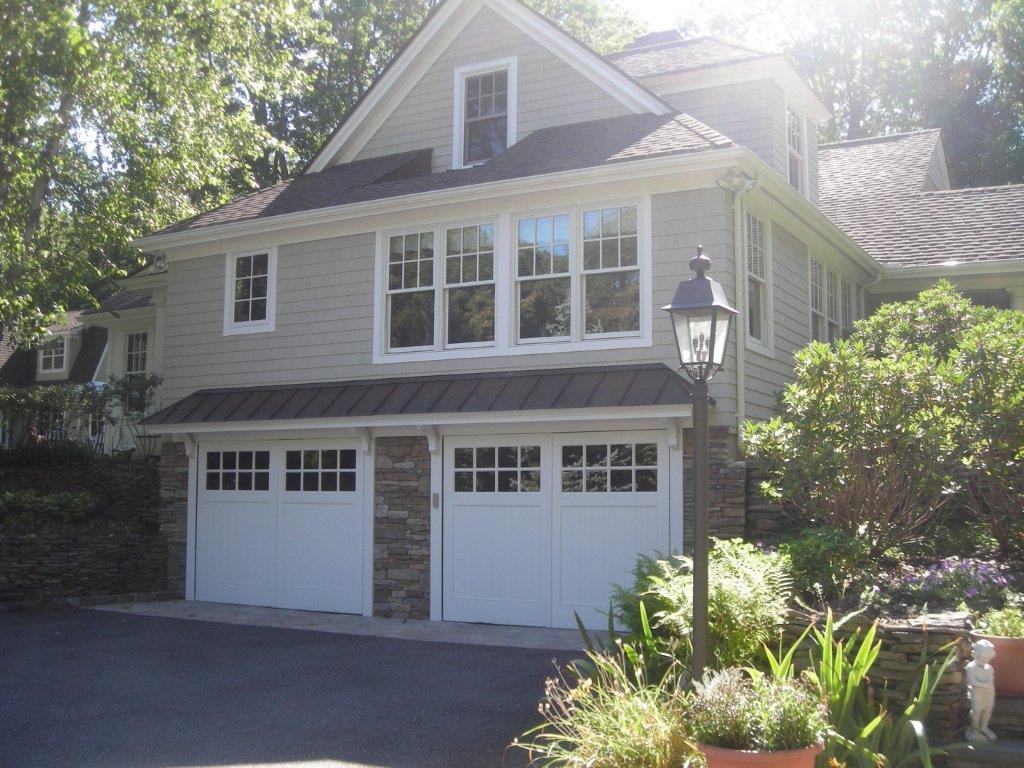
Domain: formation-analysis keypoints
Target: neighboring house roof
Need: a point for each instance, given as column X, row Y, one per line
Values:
column 680, row 55
column 122, row 301
column 18, row 366
column 548, row 150
column 877, row 190
column 90, row 352
column 599, row 387
column 69, row 322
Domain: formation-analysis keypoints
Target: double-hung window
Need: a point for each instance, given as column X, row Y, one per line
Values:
column 469, row 284
column 758, row 316
column 834, row 319
column 250, row 290
column 797, row 145
column 817, row 281
column 136, row 352
column 485, row 111
column 543, row 278
column 53, row 355
column 411, row 291
column 846, row 296
column 611, row 273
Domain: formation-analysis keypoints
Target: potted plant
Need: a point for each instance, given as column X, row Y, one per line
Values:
column 1005, row 630
column 743, row 720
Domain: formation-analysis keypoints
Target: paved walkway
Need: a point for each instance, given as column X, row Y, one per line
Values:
column 100, row 689
column 397, row 629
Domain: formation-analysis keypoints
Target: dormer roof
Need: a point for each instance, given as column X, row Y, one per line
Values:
column 677, row 55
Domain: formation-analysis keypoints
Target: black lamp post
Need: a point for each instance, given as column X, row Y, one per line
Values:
column 702, row 318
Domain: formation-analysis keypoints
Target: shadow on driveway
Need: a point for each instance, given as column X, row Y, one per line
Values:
column 90, row 688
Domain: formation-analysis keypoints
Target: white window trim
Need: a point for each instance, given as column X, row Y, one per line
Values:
column 805, row 174
column 231, row 328
column 63, row 338
column 505, row 309
column 811, row 311
column 458, row 129
column 149, row 346
column 764, row 346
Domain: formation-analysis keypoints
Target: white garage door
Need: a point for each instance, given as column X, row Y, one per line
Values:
column 539, row 528
column 281, row 523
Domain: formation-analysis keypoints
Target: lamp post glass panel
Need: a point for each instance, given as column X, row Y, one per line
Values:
column 702, row 318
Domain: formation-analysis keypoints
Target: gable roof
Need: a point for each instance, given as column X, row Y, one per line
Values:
column 679, row 55
column 877, row 191
column 18, row 365
column 427, row 43
column 574, row 146
column 121, row 302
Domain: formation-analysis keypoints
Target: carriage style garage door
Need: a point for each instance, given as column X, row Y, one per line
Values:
column 281, row 523
column 537, row 527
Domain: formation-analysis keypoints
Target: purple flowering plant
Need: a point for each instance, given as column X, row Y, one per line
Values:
column 957, row 580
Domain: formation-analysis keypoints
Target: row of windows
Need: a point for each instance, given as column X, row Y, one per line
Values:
column 448, row 300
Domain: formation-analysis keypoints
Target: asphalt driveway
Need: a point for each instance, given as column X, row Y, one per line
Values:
column 89, row 688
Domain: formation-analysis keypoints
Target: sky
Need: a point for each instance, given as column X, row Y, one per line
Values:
column 663, row 14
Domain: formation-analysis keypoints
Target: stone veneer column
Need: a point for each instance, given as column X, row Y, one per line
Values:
column 727, row 499
column 174, row 512
column 401, row 528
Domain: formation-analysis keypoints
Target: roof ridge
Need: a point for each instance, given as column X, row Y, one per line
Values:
column 703, row 130
column 687, row 41
column 878, row 139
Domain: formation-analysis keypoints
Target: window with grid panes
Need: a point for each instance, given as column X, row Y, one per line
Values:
column 469, row 284
column 611, row 273
column 410, row 293
column 543, row 282
column 252, row 280
column 486, row 116
column 834, row 325
column 819, row 329
column 757, row 279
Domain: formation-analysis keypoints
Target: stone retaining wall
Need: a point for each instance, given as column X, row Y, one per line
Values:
column 173, row 514
column 120, row 551
column 401, row 528
column 727, row 500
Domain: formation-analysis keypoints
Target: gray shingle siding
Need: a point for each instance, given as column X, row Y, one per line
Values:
column 550, row 92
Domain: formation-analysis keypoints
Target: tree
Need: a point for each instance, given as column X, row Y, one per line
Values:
column 886, row 66
column 119, row 116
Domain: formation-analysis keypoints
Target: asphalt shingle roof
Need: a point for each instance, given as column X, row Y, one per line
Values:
column 121, row 301
column 680, row 55
column 876, row 191
column 529, row 390
column 548, row 150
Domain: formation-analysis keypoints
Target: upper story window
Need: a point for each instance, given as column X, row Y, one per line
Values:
column 250, row 290
column 758, row 316
column 485, row 111
column 835, row 328
column 53, row 355
column 819, row 330
column 796, row 134
column 135, row 361
column 530, row 282
column 846, row 300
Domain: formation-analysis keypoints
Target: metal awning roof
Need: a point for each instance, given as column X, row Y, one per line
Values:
column 462, row 393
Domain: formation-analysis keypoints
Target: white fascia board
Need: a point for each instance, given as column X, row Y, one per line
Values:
column 963, row 269
column 625, row 171
column 777, row 68
column 539, row 416
column 772, row 183
column 432, row 40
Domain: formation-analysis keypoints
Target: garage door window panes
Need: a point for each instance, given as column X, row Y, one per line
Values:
column 614, row 467
column 320, row 470
column 498, row 469
column 238, row 471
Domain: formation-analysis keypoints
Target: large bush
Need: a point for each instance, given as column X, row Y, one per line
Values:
column 878, row 431
column 749, row 591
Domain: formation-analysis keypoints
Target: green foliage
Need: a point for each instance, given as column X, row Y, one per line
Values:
column 749, row 593
column 755, row 713
column 863, row 733
column 32, row 509
column 52, row 413
column 48, row 454
column 827, row 564
column 610, row 717
column 1007, row 622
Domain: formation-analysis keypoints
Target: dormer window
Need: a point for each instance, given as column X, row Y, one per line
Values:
column 797, row 141
column 53, row 355
column 485, row 111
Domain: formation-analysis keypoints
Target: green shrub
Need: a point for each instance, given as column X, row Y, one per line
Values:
column 735, row 711
column 827, row 564
column 749, row 591
column 30, row 509
column 863, row 731
column 1008, row 622
column 48, row 454
column 611, row 717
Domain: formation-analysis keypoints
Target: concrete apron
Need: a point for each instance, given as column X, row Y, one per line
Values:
column 397, row 629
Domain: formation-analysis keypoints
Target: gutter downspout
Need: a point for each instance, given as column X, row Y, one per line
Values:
column 739, row 184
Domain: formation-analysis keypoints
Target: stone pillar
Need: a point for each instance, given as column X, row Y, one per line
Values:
column 401, row 528
column 174, row 513
column 727, row 500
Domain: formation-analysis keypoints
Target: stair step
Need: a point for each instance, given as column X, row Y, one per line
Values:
column 997, row 754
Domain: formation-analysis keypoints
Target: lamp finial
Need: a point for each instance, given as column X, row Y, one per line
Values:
column 700, row 263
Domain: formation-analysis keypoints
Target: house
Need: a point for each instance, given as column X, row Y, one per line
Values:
column 430, row 376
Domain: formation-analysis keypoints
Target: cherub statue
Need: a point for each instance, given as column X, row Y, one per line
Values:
column 981, row 690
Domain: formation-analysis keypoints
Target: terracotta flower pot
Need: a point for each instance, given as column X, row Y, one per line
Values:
column 736, row 758
column 1008, row 663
